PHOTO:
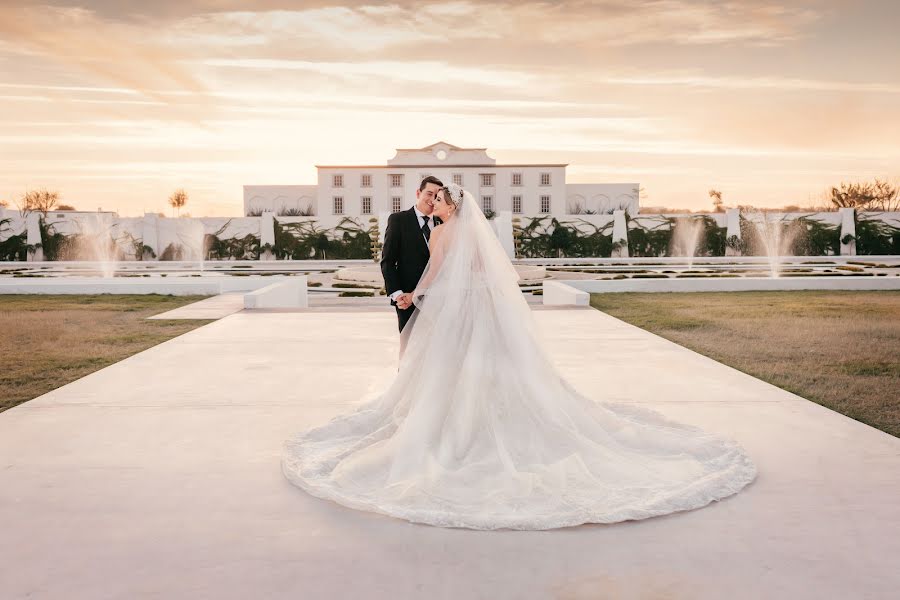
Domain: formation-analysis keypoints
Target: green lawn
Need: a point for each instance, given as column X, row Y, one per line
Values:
column 840, row 349
column 49, row 341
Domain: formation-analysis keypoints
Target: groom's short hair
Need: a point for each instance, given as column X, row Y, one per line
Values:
column 430, row 179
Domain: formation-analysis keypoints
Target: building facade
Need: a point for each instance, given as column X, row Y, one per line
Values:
column 518, row 189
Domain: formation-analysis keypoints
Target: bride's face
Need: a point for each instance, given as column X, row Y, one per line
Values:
column 443, row 208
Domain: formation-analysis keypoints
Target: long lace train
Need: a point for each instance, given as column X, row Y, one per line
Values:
column 479, row 430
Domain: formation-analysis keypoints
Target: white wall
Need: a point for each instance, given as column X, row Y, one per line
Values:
column 16, row 225
column 501, row 192
column 279, row 197
column 443, row 160
column 158, row 232
column 329, row 221
column 234, row 227
column 603, row 197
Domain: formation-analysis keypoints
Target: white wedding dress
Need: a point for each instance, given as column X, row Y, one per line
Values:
column 479, row 430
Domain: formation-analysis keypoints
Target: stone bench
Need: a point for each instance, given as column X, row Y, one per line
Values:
column 287, row 293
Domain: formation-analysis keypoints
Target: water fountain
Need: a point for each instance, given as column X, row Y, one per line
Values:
column 191, row 234
column 776, row 237
column 181, row 240
column 686, row 238
column 98, row 241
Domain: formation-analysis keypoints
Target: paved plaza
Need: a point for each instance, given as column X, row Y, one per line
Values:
column 159, row 477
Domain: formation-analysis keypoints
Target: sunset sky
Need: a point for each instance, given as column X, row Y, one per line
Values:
column 116, row 103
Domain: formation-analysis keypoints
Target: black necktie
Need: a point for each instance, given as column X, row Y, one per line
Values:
column 426, row 230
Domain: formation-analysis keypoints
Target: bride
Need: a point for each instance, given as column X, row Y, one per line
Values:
column 479, row 430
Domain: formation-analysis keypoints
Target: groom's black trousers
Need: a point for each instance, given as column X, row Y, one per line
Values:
column 403, row 315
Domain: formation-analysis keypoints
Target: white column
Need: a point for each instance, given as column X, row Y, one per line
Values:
column 732, row 228
column 620, row 235
column 150, row 235
column 502, row 225
column 848, row 227
column 267, row 234
column 33, row 235
column 382, row 224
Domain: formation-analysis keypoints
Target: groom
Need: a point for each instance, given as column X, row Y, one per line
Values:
column 405, row 252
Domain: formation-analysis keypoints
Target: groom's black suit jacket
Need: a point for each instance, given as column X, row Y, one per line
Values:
column 405, row 253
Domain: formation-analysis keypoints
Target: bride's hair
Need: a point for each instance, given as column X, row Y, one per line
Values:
column 455, row 193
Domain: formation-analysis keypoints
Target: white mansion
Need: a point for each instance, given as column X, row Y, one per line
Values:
column 527, row 189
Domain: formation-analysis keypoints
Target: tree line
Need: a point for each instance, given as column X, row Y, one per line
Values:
column 44, row 201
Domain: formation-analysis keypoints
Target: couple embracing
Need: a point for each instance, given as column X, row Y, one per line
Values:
column 479, row 429
column 406, row 247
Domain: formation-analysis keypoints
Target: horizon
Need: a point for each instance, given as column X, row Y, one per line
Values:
column 118, row 104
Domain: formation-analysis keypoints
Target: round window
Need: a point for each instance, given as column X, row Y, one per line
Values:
column 441, row 154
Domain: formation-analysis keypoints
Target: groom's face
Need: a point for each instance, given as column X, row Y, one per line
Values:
column 425, row 197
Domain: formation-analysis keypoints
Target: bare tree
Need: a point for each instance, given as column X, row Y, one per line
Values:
column 879, row 195
column 716, row 196
column 4, row 204
column 178, row 199
column 38, row 200
column 65, row 207
column 640, row 192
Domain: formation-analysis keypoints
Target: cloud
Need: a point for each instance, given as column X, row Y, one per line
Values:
column 757, row 83
column 165, row 45
column 614, row 22
column 677, row 89
column 681, row 22
column 124, row 54
column 421, row 72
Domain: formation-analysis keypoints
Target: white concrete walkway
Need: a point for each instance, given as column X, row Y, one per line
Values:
column 215, row 307
column 159, row 477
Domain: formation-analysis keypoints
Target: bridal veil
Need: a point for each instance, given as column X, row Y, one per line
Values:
column 479, row 430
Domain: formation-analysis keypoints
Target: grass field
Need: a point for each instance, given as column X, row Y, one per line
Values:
column 49, row 341
column 840, row 349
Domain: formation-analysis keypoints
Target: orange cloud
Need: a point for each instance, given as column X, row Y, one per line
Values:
column 124, row 54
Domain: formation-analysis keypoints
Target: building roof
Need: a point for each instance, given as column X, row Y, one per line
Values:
column 429, row 147
column 468, row 157
column 435, row 166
